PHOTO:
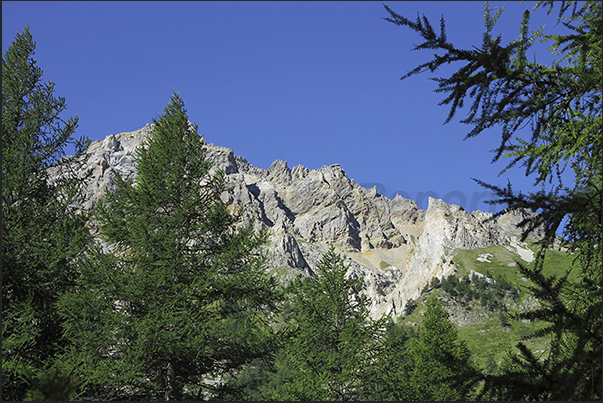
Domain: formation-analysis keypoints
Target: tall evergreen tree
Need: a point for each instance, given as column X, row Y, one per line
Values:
column 440, row 366
column 41, row 232
column 334, row 342
column 389, row 379
column 561, row 104
column 178, row 296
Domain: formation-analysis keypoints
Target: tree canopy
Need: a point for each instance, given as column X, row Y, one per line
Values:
column 177, row 296
column 41, row 231
column 333, row 342
column 161, row 292
column 560, row 104
column 440, row 362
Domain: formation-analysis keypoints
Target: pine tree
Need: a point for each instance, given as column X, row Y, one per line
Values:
column 42, row 233
column 410, row 306
column 334, row 342
column 561, row 105
column 440, row 362
column 178, row 296
column 389, row 378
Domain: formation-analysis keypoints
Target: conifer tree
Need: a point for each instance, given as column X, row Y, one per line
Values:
column 334, row 342
column 178, row 296
column 389, row 378
column 41, row 232
column 440, row 367
column 560, row 103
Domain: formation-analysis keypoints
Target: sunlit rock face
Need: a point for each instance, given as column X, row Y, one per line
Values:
column 393, row 245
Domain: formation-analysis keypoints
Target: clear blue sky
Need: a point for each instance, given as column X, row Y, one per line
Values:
column 313, row 83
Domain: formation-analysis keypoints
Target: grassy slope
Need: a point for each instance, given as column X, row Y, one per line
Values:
column 485, row 336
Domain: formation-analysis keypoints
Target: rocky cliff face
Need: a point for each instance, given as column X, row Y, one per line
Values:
column 393, row 245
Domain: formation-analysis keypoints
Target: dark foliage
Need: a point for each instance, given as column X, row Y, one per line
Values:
column 561, row 106
column 42, row 233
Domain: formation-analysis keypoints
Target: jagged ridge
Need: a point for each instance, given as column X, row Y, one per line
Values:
column 395, row 246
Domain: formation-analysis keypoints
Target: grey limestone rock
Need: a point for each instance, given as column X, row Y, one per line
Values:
column 510, row 220
column 284, row 251
column 305, row 211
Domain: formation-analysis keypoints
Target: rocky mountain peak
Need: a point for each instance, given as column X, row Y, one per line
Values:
column 395, row 246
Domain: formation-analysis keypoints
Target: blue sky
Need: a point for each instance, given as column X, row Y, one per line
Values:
column 313, row 83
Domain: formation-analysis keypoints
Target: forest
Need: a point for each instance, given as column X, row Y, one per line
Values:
column 160, row 293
